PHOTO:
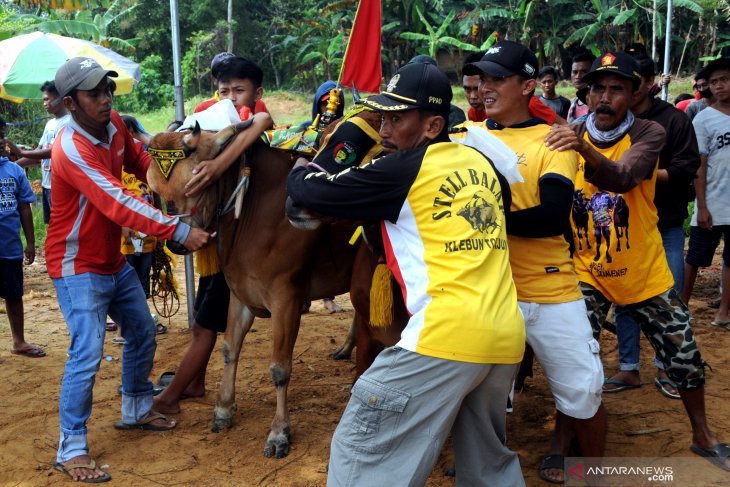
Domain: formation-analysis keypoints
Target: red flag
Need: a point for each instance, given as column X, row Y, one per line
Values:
column 361, row 64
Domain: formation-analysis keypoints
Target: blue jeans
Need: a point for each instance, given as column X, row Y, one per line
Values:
column 85, row 300
column 627, row 330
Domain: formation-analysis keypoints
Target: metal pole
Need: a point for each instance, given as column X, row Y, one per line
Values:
column 180, row 115
column 667, row 48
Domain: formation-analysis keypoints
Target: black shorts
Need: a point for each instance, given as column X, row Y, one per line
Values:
column 211, row 302
column 703, row 243
column 11, row 279
column 46, row 206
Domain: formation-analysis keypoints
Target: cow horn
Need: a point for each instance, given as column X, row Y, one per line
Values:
column 356, row 95
column 224, row 136
column 190, row 141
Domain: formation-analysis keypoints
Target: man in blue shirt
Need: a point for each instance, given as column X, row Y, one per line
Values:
column 15, row 199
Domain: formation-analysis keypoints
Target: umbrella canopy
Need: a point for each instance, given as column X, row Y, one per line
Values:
column 30, row 60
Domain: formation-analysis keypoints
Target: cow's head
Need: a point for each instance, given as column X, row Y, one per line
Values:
column 174, row 155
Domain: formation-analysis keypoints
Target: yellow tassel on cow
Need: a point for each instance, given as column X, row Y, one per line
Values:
column 206, row 260
column 381, row 297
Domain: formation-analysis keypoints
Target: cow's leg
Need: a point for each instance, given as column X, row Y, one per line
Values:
column 626, row 232
column 618, row 237
column 285, row 327
column 240, row 320
column 367, row 346
column 345, row 350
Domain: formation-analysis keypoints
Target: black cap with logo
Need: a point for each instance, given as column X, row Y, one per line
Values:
column 618, row 63
column 505, row 58
column 414, row 86
column 80, row 73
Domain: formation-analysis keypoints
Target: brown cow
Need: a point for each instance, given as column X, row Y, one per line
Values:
column 270, row 266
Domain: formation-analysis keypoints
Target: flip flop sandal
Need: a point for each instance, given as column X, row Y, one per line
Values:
column 156, row 390
column 146, row 423
column 32, row 352
column 716, row 454
column 664, row 384
column 165, row 379
column 721, row 324
column 118, row 341
column 91, row 466
column 552, row 462
column 621, row 385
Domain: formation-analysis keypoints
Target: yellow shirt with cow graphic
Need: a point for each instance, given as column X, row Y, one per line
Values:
column 441, row 209
column 618, row 249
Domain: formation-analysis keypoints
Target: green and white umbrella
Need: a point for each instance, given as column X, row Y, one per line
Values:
column 30, row 60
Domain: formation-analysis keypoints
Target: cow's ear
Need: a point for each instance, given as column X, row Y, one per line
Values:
column 190, row 141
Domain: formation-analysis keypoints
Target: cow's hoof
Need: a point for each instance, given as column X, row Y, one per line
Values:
column 221, row 424
column 342, row 353
column 222, row 419
column 277, row 445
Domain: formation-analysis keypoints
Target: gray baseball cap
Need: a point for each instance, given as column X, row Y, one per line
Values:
column 80, row 73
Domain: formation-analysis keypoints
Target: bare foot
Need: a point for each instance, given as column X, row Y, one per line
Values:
column 193, row 391
column 163, row 406
column 625, row 379
column 88, row 471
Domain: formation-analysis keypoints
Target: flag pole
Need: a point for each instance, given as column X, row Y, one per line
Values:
column 667, row 48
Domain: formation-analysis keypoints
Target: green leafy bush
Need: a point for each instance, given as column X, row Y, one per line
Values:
column 150, row 93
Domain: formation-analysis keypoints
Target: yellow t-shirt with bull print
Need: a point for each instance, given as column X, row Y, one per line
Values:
column 441, row 209
column 618, row 248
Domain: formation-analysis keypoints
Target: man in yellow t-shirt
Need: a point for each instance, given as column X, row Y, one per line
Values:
column 441, row 207
column 618, row 154
column 556, row 319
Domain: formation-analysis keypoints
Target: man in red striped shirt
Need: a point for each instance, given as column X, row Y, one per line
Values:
column 92, row 278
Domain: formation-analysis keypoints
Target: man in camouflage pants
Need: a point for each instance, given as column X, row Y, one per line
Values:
column 618, row 154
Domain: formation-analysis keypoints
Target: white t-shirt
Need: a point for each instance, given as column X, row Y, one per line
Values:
column 53, row 126
column 713, row 138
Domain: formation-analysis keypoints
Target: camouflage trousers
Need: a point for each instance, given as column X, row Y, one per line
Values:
column 664, row 320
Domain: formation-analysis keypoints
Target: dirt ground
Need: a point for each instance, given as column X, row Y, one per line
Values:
column 642, row 422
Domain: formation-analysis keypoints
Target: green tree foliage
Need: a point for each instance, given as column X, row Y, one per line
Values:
column 300, row 43
column 151, row 93
column 90, row 24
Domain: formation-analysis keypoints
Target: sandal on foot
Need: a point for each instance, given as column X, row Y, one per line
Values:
column 721, row 324
column 118, row 341
column 166, row 379
column 552, row 462
column 621, row 385
column 716, row 454
column 91, row 466
column 146, row 423
column 665, row 386
column 156, row 390
column 32, row 352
